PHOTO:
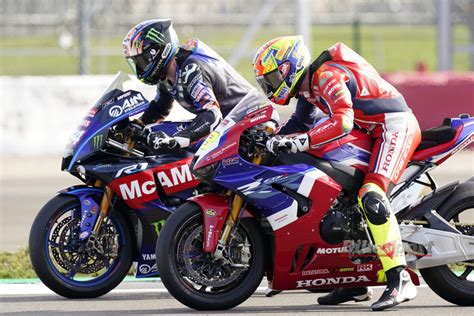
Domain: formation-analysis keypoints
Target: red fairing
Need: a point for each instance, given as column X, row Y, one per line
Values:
column 424, row 154
column 215, row 209
column 304, row 260
column 230, row 147
column 139, row 188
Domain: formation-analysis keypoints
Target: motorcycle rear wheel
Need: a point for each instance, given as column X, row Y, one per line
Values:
column 60, row 262
column 193, row 277
column 455, row 286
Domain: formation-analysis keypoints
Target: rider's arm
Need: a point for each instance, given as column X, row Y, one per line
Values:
column 335, row 95
column 302, row 119
column 159, row 108
column 199, row 87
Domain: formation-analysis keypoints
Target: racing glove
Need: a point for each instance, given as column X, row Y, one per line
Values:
column 288, row 144
column 160, row 140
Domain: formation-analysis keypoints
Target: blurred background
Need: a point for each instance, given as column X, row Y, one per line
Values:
column 56, row 57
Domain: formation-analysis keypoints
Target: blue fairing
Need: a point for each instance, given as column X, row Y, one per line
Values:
column 97, row 124
column 257, row 183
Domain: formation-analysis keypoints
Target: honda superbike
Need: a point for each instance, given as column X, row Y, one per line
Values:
column 296, row 218
column 84, row 240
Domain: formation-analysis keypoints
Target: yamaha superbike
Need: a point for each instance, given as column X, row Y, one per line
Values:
column 296, row 219
column 84, row 240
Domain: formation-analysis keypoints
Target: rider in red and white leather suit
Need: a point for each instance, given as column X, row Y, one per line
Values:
column 351, row 93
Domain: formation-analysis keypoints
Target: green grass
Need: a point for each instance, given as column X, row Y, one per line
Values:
column 16, row 265
column 388, row 48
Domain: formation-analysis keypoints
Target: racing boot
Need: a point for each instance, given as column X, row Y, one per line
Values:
column 342, row 295
column 386, row 234
column 399, row 289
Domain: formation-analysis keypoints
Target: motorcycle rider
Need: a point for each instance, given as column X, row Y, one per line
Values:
column 194, row 75
column 351, row 92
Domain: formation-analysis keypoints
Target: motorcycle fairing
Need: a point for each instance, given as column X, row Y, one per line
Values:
column 224, row 141
column 114, row 106
column 263, row 188
column 440, row 153
column 144, row 186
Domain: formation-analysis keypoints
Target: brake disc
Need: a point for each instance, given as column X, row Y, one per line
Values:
column 202, row 268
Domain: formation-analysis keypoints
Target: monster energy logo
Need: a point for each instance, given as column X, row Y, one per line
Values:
column 158, row 226
column 155, row 36
column 97, row 141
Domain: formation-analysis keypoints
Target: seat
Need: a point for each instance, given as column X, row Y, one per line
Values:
column 435, row 136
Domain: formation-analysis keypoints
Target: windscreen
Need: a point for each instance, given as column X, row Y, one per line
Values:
column 113, row 106
column 247, row 105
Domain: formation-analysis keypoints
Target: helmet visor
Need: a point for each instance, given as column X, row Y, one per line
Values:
column 143, row 63
column 270, row 81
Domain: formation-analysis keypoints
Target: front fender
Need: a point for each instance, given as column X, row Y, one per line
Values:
column 215, row 209
column 88, row 197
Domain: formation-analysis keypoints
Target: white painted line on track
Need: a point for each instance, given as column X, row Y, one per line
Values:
column 41, row 289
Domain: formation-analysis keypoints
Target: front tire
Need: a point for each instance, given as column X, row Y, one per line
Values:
column 454, row 287
column 54, row 248
column 193, row 277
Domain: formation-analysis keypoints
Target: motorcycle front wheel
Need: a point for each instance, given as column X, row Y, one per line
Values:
column 67, row 265
column 196, row 278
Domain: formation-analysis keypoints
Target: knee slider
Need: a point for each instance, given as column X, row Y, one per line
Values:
column 375, row 208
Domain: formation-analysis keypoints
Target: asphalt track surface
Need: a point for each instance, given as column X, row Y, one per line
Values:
column 151, row 298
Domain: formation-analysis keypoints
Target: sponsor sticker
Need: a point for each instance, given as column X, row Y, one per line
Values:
column 327, row 251
column 314, row 272
column 230, row 161
column 211, row 212
column 284, row 69
column 209, row 140
column 364, row 267
column 332, row 281
column 347, row 269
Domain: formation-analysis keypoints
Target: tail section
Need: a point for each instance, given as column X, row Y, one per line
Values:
column 442, row 142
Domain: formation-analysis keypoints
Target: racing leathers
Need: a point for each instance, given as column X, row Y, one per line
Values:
column 205, row 85
column 351, row 92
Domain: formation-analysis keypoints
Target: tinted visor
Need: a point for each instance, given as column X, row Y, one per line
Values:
column 143, row 63
column 270, row 81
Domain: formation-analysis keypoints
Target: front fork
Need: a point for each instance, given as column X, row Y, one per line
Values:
column 232, row 219
column 104, row 206
column 92, row 241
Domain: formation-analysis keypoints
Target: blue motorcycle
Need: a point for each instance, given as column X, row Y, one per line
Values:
column 84, row 240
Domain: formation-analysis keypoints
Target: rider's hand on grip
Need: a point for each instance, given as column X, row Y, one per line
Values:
column 160, row 140
column 288, row 144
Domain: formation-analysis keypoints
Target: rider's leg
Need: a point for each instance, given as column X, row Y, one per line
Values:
column 395, row 142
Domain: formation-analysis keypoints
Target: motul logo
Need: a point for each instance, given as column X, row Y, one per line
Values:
column 327, row 251
column 331, row 281
column 175, row 176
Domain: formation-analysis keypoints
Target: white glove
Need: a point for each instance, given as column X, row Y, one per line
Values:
column 288, row 144
column 160, row 140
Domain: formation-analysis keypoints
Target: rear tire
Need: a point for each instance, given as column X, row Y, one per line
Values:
column 185, row 219
column 441, row 279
